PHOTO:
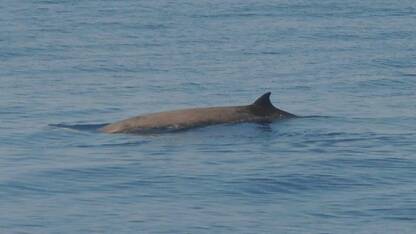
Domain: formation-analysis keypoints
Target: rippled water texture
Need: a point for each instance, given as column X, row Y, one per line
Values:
column 347, row 67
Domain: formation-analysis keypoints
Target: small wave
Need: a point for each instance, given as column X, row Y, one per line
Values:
column 316, row 117
column 409, row 74
column 293, row 183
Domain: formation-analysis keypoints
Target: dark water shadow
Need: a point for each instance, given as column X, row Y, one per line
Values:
column 80, row 127
column 112, row 145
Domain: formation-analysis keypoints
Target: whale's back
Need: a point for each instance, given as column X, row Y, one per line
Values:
column 180, row 119
column 261, row 110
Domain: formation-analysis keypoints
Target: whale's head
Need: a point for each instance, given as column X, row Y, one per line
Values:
column 263, row 107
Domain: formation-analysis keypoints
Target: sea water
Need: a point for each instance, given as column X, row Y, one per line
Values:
column 348, row 68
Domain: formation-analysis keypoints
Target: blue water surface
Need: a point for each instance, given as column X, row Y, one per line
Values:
column 347, row 67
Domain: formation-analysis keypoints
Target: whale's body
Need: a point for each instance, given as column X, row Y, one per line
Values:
column 262, row 110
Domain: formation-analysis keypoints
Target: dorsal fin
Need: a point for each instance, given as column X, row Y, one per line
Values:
column 263, row 107
column 264, row 101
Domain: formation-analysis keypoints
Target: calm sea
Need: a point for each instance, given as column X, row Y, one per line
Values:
column 69, row 66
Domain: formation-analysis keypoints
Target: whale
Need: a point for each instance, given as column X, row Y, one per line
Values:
column 260, row 111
